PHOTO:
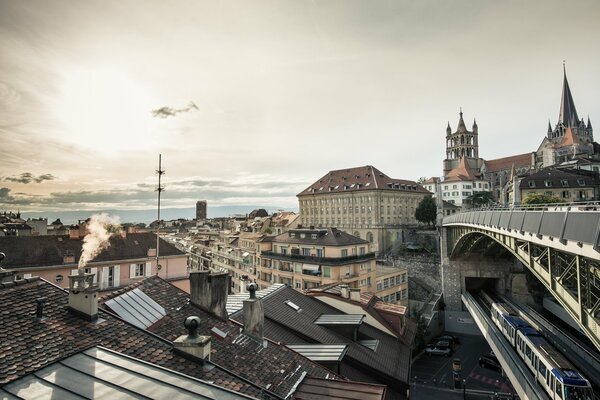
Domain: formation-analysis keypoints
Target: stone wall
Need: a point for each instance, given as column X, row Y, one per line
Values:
column 425, row 267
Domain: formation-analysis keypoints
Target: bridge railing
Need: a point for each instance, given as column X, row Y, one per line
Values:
column 577, row 222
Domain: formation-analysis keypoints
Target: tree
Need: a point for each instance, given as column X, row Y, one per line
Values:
column 426, row 211
column 478, row 199
column 421, row 180
column 541, row 198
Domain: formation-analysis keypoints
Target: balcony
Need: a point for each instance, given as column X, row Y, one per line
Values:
column 319, row 260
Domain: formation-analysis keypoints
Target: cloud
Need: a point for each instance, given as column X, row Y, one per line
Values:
column 165, row 112
column 4, row 194
column 27, row 177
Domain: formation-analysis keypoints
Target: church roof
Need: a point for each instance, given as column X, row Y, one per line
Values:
column 500, row 164
column 567, row 114
column 461, row 173
column 570, row 138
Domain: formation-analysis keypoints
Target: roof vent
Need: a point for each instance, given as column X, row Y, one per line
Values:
column 192, row 343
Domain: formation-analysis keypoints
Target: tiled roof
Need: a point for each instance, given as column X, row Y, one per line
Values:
column 570, row 138
column 338, row 389
column 283, row 323
column 280, row 369
column 461, row 173
column 28, row 344
column 39, row 251
column 500, row 164
column 325, row 237
column 359, row 178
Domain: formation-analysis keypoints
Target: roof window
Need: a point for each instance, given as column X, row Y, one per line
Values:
column 581, row 182
column 293, row 305
column 531, row 184
column 564, row 182
column 548, row 183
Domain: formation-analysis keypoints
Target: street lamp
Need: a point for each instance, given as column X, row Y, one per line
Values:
column 464, row 389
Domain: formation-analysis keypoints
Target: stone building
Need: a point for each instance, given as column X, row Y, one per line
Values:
column 201, row 210
column 363, row 202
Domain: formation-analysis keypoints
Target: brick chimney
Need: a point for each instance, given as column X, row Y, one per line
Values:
column 73, row 232
column 208, row 290
column 83, row 296
column 254, row 316
column 192, row 343
column 355, row 294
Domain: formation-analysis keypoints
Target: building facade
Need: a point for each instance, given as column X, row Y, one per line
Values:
column 363, row 202
column 309, row 258
column 201, row 210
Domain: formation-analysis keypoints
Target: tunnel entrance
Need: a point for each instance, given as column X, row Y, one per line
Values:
column 474, row 284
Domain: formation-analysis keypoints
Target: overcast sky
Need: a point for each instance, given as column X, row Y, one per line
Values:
column 286, row 91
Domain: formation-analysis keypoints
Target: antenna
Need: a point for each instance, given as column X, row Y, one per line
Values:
column 159, row 189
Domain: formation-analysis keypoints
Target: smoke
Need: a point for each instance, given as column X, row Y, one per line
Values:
column 100, row 228
column 165, row 112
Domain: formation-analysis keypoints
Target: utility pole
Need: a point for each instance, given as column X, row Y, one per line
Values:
column 159, row 189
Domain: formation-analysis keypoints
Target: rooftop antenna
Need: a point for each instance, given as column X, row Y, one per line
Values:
column 159, row 189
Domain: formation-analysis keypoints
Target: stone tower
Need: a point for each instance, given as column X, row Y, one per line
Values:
column 462, row 143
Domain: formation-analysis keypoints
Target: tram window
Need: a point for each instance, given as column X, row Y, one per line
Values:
column 559, row 390
column 528, row 351
column 542, row 369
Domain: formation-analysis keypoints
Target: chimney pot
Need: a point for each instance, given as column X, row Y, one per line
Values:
column 345, row 291
column 192, row 343
column 83, row 296
column 254, row 316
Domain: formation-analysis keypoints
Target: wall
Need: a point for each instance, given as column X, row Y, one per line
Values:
column 460, row 322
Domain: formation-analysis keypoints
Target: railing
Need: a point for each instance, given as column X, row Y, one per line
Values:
column 571, row 206
column 577, row 222
column 319, row 260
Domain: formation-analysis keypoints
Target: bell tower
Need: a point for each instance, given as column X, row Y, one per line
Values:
column 461, row 143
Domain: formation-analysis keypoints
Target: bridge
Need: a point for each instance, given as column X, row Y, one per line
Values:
column 559, row 244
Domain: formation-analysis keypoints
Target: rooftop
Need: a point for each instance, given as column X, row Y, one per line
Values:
column 322, row 236
column 360, row 178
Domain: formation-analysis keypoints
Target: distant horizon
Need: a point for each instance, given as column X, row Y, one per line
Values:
column 146, row 216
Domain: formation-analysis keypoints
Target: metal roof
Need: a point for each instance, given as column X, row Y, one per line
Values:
column 321, row 352
column 235, row 302
column 313, row 388
column 136, row 308
column 370, row 343
column 340, row 319
column 102, row 373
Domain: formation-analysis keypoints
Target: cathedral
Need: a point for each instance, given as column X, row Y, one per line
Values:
column 571, row 137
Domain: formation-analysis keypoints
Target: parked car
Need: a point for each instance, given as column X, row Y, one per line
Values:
column 439, row 348
column 452, row 339
column 490, row 361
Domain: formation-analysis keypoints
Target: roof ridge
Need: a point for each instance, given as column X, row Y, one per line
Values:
column 18, row 282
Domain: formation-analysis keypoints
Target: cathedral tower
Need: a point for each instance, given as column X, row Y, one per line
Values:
column 462, row 143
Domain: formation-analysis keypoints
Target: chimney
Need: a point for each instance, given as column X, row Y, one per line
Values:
column 5, row 275
column 254, row 316
column 345, row 291
column 192, row 343
column 83, row 296
column 123, row 234
column 39, row 309
column 355, row 294
column 209, row 291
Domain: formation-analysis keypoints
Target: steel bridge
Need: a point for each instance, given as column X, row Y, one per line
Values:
column 560, row 245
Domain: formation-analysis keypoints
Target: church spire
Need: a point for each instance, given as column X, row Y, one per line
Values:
column 461, row 122
column 549, row 126
column 589, row 124
column 567, row 114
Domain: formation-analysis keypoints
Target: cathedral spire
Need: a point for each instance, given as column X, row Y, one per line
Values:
column 461, row 122
column 567, row 114
column 549, row 126
column 589, row 124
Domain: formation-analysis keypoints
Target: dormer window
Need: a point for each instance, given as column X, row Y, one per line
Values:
column 531, row 184
column 313, row 235
column 581, row 182
column 548, row 183
column 564, row 182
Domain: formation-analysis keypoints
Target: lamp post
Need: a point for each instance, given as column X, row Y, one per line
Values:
column 464, row 389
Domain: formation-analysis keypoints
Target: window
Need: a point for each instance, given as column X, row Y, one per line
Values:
column 531, row 184
column 548, row 183
column 326, row 272
column 305, row 251
column 139, row 270
column 581, row 182
column 379, row 286
column 564, row 182
column 313, row 235
column 319, row 252
column 345, row 253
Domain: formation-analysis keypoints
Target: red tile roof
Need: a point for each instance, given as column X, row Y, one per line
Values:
column 461, row 173
column 500, row 164
column 360, row 178
column 28, row 344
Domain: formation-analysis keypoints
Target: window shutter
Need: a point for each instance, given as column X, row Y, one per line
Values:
column 74, row 271
column 104, row 278
column 148, row 268
column 132, row 270
column 95, row 272
column 26, row 276
column 117, row 275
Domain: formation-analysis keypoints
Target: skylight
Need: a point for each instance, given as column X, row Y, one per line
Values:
column 293, row 305
column 137, row 308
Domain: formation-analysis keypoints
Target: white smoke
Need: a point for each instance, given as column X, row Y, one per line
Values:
column 100, row 228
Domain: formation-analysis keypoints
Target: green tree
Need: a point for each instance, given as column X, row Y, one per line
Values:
column 478, row 199
column 541, row 198
column 426, row 211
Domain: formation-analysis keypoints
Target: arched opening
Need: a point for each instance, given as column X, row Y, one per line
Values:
column 370, row 237
column 357, row 234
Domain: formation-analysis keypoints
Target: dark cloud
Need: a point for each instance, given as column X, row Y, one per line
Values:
column 165, row 112
column 4, row 193
column 28, row 177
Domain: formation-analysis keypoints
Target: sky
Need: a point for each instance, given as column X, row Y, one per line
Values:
column 281, row 92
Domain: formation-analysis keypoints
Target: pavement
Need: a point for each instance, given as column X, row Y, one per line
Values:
column 432, row 376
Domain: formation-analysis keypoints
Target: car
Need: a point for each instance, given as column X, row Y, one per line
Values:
column 490, row 361
column 452, row 339
column 439, row 348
